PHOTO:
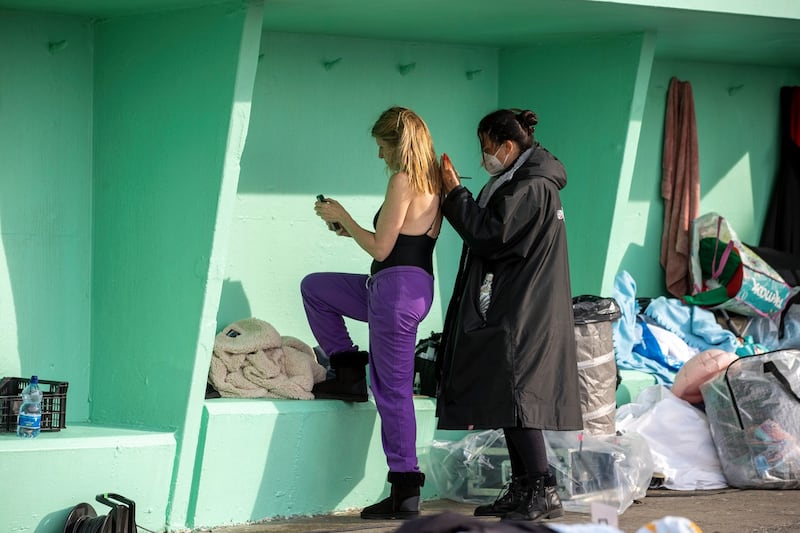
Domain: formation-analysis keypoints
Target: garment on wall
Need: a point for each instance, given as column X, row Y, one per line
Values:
column 680, row 185
column 781, row 229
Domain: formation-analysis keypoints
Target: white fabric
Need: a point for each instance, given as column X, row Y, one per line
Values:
column 672, row 346
column 679, row 437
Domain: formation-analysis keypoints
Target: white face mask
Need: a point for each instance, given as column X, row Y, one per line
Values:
column 493, row 165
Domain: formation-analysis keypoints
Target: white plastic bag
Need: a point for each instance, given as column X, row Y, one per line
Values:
column 679, row 438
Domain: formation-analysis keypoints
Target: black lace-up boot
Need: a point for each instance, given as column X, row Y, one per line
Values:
column 403, row 501
column 350, row 382
column 542, row 501
column 512, row 495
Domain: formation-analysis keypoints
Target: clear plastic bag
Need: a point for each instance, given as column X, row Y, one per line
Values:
column 753, row 410
column 766, row 332
column 471, row 470
column 612, row 469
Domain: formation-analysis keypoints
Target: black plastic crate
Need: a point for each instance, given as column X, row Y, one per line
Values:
column 54, row 403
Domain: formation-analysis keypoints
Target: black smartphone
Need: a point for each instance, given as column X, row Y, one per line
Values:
column 333, row 225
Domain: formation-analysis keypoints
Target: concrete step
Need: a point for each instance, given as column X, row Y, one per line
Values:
column 47, row 476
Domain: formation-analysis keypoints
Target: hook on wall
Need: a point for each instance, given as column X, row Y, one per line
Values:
column 406, row 68
column 57, row 46
column 472, row 73
column 327, row 65
column 735, row 89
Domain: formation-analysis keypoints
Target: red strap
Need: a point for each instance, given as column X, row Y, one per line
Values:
column 717, row 272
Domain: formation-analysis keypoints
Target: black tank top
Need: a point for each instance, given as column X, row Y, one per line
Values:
column 409, row 250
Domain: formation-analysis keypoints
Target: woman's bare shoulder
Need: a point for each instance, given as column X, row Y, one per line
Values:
column 399, row 185
column 400, row 178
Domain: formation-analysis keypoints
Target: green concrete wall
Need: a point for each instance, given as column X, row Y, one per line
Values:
column 582, row 90
column 330, row 458
column 159, row 152
column 603, row 115
column 166, row 170
column 129, row 236
column 120, row 166
column 46, row 200
column 309, row 134
column 737, row 109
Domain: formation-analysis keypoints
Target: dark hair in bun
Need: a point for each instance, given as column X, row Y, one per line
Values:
column 509, row 124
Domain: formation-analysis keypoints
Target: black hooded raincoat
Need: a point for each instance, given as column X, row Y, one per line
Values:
column 518, row 365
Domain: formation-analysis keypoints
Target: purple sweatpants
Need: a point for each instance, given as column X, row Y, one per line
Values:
column 393, row 302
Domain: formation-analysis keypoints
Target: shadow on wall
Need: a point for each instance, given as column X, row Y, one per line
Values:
column 233, row 304
column 10, row 363
column 643, row 262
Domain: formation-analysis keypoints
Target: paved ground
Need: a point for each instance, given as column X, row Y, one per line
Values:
column 717, row 511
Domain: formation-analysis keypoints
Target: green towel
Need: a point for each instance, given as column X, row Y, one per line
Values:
column 708, row 298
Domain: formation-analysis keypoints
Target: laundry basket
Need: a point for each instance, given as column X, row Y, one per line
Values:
column 597, row 368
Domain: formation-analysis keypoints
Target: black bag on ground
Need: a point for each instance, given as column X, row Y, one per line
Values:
column 425, row 354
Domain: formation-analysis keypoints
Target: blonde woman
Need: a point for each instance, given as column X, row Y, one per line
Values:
column 393, row 299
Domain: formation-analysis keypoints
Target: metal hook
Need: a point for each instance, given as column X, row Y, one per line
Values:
column 330, row 64
column 405, row 69
column 57, row 46
column 735, row 89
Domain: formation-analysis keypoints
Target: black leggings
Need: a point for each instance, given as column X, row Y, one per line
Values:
column 526, row 451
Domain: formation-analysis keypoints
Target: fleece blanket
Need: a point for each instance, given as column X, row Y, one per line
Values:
column 252, row 360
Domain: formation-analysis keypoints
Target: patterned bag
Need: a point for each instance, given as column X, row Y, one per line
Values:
column 728, row 275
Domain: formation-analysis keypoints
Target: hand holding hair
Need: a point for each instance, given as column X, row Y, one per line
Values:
column 450, row 178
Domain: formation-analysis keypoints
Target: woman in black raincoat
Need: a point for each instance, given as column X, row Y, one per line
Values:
column 508, row 354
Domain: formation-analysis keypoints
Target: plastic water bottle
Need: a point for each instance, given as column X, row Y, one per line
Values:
column 29, row 421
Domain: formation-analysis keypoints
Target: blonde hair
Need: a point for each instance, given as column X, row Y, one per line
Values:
column 410, row 148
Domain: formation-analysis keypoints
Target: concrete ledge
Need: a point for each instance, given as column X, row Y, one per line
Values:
column 632, row 383
column 263, row 459
column 60, row 469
